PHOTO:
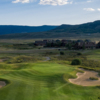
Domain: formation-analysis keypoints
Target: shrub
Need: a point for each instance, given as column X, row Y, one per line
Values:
column 22, row 58
column 99, row 97
column 93, row 78
column 61, row 53
column 39, row 48
column 79, row 53
column 18, row 59
column 76, row 62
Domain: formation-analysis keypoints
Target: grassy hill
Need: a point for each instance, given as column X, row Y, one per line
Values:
column 86, row 30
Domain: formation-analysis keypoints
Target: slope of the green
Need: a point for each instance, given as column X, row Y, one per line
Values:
column 43, row 81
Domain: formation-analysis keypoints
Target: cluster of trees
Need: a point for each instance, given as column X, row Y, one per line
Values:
column 57, row 44
column 70, row 45
column 60, row 44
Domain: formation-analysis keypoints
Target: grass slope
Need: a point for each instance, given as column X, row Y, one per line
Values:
column 43, row 81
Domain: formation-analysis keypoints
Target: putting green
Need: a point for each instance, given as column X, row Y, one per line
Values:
column 43, row 81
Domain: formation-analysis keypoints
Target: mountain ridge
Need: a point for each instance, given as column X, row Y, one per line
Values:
column 10, row 29
column 85, row 29
column 90, row 27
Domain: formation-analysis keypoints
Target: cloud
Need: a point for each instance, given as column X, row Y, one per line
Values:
column 83, row 2
column 89, row 1
column 98, row 9
column 22, row 1
column 55, row 2
column 89, row 9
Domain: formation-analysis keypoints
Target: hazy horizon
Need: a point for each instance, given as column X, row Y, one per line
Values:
column 45, row 25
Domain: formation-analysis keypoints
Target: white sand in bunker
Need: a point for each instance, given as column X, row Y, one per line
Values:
column 83, row 79
column 2, row 84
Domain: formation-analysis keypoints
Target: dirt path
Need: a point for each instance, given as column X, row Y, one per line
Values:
column 83, row 78
column 47, row 58
column 2, row 84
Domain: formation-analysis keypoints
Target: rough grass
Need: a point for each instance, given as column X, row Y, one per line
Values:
column 93, row 54
column 44, row 81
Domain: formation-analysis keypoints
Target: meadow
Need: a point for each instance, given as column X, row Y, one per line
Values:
column 30, row 77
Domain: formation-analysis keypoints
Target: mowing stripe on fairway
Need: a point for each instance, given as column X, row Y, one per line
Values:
column 60, row 87
column 12, row 92
column 28, row 93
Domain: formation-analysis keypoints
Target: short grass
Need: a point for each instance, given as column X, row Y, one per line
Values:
column 43, row 81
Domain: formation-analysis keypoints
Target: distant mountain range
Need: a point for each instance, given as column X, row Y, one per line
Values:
column 10, row 29
column 87, row 29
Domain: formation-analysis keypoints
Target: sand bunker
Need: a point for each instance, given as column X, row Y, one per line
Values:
column 2, row 84
column 83, row 78
column 1, row 60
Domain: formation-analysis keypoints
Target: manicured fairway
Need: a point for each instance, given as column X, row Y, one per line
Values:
column 43, row 81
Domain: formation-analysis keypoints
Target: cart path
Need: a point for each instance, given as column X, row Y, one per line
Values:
column 47, row 58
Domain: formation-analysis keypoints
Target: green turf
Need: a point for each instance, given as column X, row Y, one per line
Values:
column 43, row 81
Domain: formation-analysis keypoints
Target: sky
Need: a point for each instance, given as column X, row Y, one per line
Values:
column 48, row 12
